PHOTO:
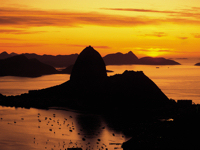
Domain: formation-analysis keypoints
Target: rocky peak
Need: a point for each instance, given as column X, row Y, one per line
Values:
column 4, row 55
column 89, row 66
column 132, row 55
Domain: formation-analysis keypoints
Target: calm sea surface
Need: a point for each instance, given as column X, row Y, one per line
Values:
column 58, row 129
column 177, row 82
column 31, row 129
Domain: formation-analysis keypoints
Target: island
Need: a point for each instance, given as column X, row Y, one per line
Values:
column 197, row 64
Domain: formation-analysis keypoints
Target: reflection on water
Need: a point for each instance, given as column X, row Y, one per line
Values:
column 54, row 130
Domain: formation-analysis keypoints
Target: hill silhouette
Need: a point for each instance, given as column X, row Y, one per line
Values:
column 130, row 58
column 110, row 59
column 88, row 66
column 197, row 64
column 90, row 88
column 5, row 55
column 19, row 65
column 157, row 61
column 55, row 61
column 121, row 59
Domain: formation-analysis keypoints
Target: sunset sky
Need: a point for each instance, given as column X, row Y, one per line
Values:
column 147, row 28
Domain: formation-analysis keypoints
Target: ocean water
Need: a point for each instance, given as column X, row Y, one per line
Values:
column 177, row 82
column 31, row 129
column 61, row 129
column 10, row 85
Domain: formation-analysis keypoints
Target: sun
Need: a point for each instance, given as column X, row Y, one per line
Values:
column 153, row 54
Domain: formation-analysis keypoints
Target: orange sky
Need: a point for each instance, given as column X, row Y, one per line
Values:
column 147, row 28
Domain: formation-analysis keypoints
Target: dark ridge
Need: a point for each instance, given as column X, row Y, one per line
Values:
column 110, row 59
column 120, row 59
column 21, row 66
column 157, row 61
column 90, row 89
column 4, row 55
column 55, row 61
column 197, row 64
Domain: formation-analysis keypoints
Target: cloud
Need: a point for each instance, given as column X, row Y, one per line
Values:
column 196, row 35
column 15, row 31
column 139, row 10
column 10, row 39
column 23, row 45
column 164, row 50
column 193, row 12
column 102, row 47
column 36, row 18
column 183, row 38
column 25, row 18
column 156, row 34
column 153, row 49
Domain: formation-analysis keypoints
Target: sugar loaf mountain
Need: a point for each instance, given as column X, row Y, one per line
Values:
column 89, row 88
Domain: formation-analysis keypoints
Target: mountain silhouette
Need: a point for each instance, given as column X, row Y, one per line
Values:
column 110, row 59
column 88, row 66
column 5, row 55
column 121, row 59
column 157, row 61
column 89, row 88
column 55, row 61
column 19, row 65
column 130, row 58
column 67, row 70
column 197, row 64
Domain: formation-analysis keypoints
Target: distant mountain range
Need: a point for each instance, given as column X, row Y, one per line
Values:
column 130, row 58
column 55, row 61
column 121, row 59
column 110, row 59
column 90, row 89
column 197, row 64
column 19, row 65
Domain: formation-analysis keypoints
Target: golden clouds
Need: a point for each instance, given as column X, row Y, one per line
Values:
column 23, row 18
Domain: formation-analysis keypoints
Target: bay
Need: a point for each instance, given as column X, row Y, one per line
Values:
column 177, row 82
column 61, row 129
column 55, row 129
